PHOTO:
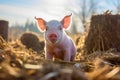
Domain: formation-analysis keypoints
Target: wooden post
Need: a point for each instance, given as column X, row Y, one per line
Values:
column 4, row 29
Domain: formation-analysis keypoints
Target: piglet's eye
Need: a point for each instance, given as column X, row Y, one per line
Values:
column 46, row 28
column 60, row 27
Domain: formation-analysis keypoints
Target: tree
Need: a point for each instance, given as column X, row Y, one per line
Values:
column 86, row 9
column 116, row 4
column 31, row 26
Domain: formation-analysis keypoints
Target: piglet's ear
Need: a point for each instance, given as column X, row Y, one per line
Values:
column 41, row 23
column 66, row 21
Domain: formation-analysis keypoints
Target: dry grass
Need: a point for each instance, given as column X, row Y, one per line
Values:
column 98, row 62
column 20, row 63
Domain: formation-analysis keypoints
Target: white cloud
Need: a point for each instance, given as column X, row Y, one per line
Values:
column 46, row 9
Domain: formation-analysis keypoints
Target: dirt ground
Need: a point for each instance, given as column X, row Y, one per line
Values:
column 17, row 62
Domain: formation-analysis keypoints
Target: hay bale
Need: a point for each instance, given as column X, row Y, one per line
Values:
column 31, row 40
column 104, row 33
column 4, row 29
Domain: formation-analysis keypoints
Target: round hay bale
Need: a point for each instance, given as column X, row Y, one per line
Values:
column 104, row 33
column 31, row 40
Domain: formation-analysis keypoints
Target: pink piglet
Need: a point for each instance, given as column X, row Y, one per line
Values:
column 57, row 43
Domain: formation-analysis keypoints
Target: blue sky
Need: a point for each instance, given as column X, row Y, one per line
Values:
column 18, row 11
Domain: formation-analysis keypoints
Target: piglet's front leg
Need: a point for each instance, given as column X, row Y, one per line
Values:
column 67, row 55
column 48, row 56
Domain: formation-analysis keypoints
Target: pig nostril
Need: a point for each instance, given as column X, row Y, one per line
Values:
column 53, row 36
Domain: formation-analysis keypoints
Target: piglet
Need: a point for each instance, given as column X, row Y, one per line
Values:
column 57, row 43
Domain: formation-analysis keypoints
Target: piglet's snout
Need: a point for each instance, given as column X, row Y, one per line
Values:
column 53, row 37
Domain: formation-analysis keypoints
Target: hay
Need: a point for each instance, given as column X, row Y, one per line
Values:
column 31, row 40
column 19, row 63
column 104, row 33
